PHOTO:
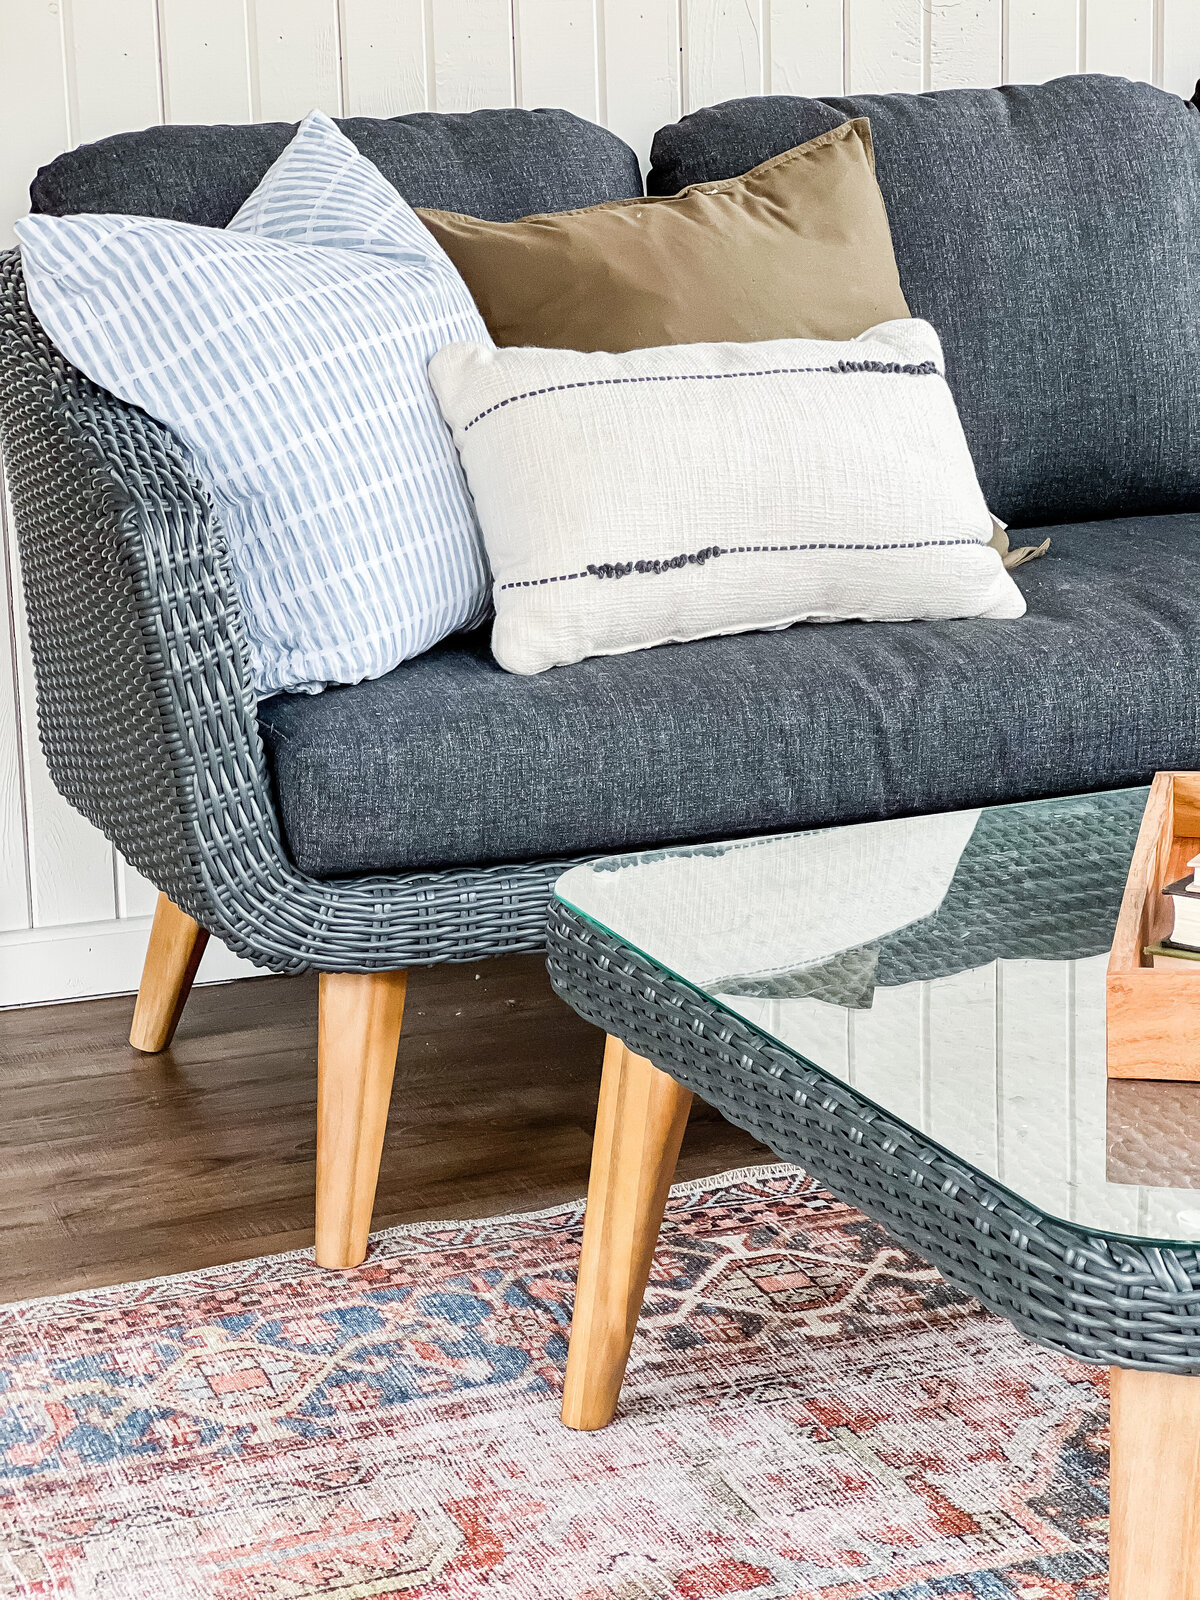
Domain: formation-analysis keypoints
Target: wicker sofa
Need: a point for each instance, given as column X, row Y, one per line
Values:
column 423, row 817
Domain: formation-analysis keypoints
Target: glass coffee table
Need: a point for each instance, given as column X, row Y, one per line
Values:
column 913, row 1011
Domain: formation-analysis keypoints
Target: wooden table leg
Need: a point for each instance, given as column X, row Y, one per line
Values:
column 639, row 1127
column 1154, row 1520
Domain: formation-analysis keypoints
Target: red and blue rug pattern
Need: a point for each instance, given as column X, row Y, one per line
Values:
column 810, row 1412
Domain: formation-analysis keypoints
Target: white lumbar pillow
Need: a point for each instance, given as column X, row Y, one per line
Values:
column 667, row 494
column 288, row 352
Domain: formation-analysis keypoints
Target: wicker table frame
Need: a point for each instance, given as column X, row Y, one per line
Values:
column 1108, row 1301
column 1130, row 1305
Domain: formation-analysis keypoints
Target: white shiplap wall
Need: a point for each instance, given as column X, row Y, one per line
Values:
column 73, row 916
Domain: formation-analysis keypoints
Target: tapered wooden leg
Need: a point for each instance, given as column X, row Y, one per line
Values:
column 176, row 945
column 639, row 1127
column 1154, row 1520
column 357, row 1034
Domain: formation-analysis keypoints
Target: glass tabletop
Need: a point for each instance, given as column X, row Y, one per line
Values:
column 950, row 969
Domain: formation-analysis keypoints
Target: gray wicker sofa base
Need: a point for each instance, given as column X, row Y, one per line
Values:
column 288, row 833
column 148, row 725
column 913, row 1012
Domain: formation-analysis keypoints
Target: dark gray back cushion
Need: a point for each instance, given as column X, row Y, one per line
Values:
column 497, row 164
column 1051, row 234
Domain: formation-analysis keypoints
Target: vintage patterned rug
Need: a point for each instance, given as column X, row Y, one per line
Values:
column 810, row 1412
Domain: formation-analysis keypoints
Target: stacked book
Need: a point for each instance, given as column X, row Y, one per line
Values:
column 1181, row 946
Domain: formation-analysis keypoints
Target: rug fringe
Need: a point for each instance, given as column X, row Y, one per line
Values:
column 203, row 1280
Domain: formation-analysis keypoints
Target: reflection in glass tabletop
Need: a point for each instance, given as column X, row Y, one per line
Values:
column 951, row 970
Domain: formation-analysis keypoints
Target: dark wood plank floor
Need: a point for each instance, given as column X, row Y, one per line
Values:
column 116, row 1166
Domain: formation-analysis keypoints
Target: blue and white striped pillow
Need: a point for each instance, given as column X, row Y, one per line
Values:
column 288, row 352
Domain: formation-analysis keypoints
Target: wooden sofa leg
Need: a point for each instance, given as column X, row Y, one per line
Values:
column 639, row 1128
column 176, row 945
column 357, row 1035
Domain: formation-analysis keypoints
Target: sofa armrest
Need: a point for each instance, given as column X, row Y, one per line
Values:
column 145, row 710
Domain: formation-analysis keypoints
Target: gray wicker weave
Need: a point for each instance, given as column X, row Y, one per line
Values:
column 1106, row 1300
column 144, row 706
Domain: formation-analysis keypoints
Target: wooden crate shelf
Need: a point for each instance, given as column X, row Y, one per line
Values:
column 1154, row 1014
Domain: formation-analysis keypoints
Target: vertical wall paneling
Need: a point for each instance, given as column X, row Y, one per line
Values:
column 70, row 864
column 34, row 126
column 472, row 53
column 136, row 896
column 1037, row 1048
column 1179, row 46
column 385, row 57
column 885, row 46
column 888, row 1050
column 112, row 66
column 805, row 47
column 205, row 61
column 99, row 72
column 965, row 39
column 723, row 50
column 34, row 121
column 638, row 101
column 963, row 1068
column 816, row 1030
column 558, row 46
column 296, row 58
column 1042, row 40
column 1118, row 37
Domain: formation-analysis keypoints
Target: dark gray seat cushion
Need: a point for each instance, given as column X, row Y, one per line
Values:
column 1051, row 234
column 497, row 164
column 450, row 760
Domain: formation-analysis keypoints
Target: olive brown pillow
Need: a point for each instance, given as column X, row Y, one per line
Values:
column 798, row 248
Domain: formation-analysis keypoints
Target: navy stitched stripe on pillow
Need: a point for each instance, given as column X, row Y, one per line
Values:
column 697, row 558
column 919, row 369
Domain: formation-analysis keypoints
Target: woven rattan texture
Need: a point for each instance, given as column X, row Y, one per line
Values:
column 144, row 707
column 1104, row 1300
